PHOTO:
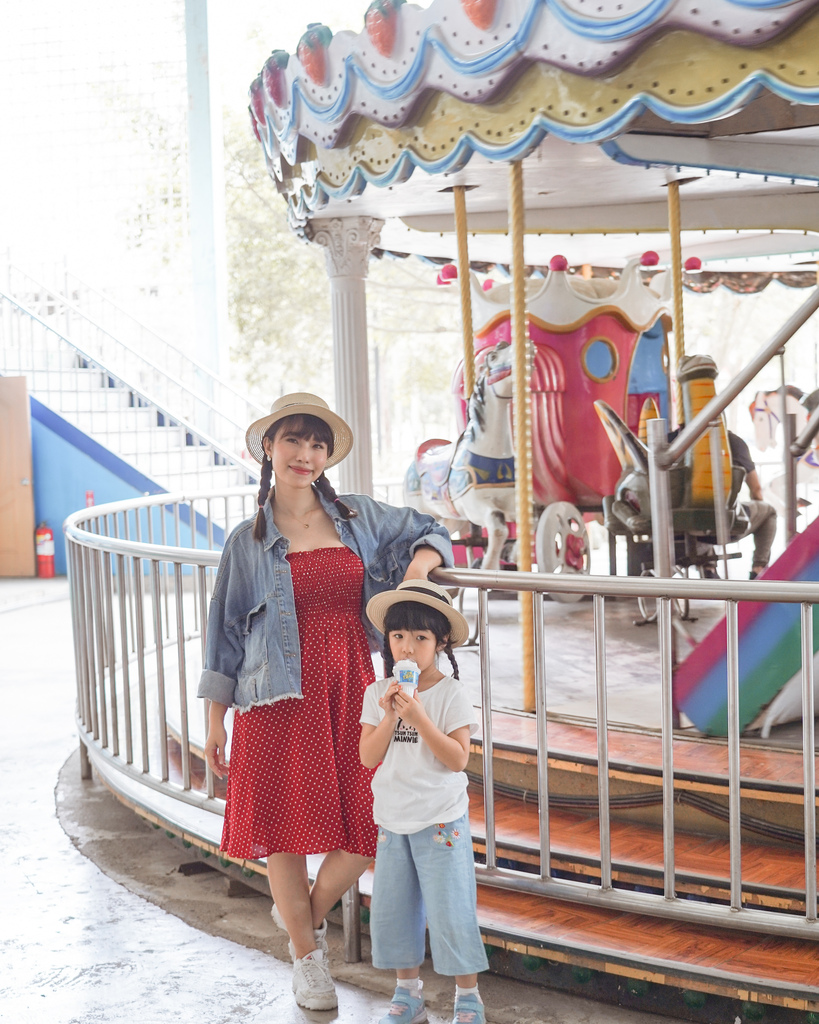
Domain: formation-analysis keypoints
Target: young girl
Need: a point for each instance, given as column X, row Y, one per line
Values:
column 424, row 870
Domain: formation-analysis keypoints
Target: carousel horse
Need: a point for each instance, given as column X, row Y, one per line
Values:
column 766, row 412
column 473, row 479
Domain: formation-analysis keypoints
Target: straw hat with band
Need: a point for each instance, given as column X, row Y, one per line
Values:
column 423, row 592
column 301, row 403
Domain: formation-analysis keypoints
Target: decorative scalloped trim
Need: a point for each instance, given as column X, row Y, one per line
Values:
column 384, row 156
column 440, row 44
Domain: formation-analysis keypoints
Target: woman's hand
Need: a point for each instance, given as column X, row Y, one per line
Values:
column 216, row 740
column 423, row 562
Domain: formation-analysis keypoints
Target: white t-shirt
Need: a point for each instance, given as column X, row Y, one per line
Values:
column 411, row 787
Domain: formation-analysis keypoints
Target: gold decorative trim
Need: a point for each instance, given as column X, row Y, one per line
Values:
column 615, row 359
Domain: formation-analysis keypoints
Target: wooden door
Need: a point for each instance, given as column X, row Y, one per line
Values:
column 17, row 555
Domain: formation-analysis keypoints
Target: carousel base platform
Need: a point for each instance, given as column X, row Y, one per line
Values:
column 689, row 970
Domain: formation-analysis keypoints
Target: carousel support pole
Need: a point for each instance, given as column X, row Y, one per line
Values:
column 348, row 242
column 788, row 436
column 676, row 278
column 459, row 195
column 523, row 430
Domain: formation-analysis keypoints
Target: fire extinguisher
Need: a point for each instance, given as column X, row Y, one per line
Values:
column 44, row 540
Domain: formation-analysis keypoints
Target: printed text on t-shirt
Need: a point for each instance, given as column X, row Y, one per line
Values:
column 404, row 733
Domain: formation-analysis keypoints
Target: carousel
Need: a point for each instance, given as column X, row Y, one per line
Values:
column 552, row 139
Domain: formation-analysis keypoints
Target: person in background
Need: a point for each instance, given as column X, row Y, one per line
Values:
column 761, row 515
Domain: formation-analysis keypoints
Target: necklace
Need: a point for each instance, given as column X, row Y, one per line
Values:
column 295, row 518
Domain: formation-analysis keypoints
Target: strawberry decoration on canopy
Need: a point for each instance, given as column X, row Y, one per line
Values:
column 381, row 23
column 480, row 12
column 273, row 76
column 312, row 51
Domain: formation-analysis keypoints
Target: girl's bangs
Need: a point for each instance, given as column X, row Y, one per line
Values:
column 410, row 615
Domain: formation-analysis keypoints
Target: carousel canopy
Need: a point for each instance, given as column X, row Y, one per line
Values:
column 602, row 101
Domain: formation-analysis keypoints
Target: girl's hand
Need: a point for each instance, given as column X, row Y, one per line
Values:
column 215, row 749
column 387, row 702
column 410, row 709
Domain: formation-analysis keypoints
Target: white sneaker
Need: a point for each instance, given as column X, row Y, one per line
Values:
column 312, row 983
column 320, row 934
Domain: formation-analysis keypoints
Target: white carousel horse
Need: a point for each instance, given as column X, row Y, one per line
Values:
column 473, row 479
column 766, row 412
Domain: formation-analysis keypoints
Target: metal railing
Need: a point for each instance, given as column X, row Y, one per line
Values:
column 139, row 597
column 113, row 409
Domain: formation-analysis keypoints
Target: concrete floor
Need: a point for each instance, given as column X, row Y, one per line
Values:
column 97, row 923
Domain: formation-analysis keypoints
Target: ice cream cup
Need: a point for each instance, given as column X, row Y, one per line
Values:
column 406, row 673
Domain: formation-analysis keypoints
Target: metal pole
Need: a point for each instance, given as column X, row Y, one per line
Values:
column 183, row 678
column 162, row 718
column 523, row 425
column 662, row 530
column 734, row 777
column 351, row 924
column 203, row 618
column 123, row 646
column 542, row 741
column 720, row 511
column 664, row 631
column 676, row 283
column 139, row 604
column 108, row 603
column 789, row 429
column 486, row 725
column 602, row 740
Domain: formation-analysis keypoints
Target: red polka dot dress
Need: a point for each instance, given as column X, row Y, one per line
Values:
column 296, row 784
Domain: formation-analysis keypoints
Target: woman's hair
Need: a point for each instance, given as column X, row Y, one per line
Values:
column 307, row 428
column 412, row 615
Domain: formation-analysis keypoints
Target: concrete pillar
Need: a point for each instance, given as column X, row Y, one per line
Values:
column 207, row 190
column 348, row 242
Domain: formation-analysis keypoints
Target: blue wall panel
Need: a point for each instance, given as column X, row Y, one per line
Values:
column 66, row 464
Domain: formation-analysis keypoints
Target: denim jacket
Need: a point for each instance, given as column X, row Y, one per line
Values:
column 252, row 653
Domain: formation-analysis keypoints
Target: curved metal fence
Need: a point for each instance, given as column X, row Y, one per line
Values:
column 141, row 573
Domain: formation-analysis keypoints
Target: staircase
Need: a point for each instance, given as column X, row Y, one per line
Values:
column 138, row 396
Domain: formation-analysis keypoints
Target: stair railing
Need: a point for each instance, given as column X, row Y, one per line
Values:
column 43, row 363
column 172, row 376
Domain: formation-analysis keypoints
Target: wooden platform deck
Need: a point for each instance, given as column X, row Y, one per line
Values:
column 553, row 934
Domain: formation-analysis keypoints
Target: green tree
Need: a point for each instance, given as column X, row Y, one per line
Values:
column 278, row 293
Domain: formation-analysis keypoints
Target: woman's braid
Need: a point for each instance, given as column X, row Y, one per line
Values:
column 325, row 488
column 260, row 526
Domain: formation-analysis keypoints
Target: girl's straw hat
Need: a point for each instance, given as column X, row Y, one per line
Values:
column 423, row 592
column 301, row 404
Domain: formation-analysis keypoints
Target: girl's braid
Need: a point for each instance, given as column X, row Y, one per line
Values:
column 452, row 661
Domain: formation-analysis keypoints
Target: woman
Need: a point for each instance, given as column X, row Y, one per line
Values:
column 286, row 646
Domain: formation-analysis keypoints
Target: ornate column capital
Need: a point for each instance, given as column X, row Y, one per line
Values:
column 347, row 241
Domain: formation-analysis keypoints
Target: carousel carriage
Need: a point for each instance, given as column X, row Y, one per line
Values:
column 593, row 340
